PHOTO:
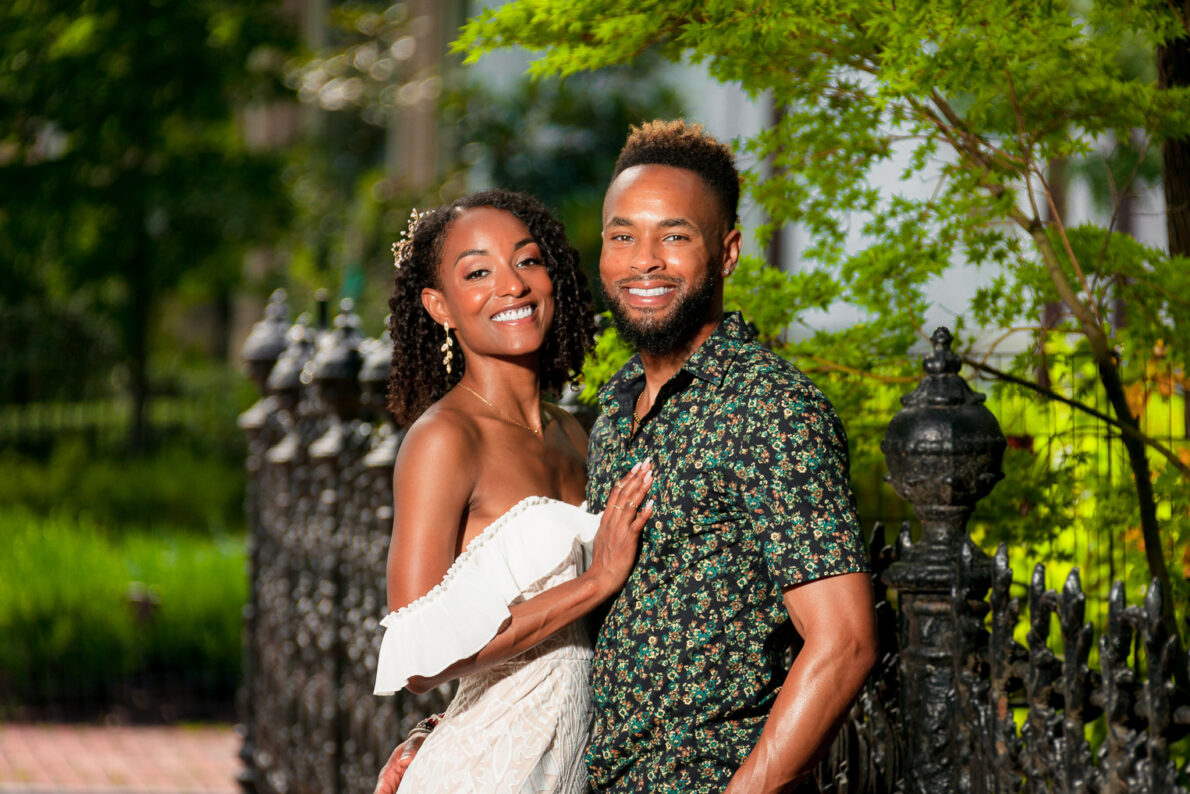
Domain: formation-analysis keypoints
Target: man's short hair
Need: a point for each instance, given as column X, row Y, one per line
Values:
column 682, row 145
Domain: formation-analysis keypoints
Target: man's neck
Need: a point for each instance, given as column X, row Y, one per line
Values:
column 660, row 368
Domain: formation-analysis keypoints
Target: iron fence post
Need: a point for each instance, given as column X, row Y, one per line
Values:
column 943, row 451
column 260, row 424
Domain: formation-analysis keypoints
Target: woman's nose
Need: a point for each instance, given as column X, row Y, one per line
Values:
column 509, row 282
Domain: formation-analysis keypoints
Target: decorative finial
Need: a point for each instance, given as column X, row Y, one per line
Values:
column 403, row 247
column 943, row 359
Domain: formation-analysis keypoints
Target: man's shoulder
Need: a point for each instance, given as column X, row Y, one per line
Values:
column 761, row 375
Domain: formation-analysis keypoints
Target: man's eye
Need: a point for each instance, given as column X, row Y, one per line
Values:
column 676, row 237
column 621, row 238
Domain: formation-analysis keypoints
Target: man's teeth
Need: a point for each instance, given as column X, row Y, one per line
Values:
column 651, row 292
column 514, row 314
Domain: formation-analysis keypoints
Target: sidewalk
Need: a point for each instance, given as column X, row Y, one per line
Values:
column 84, row 759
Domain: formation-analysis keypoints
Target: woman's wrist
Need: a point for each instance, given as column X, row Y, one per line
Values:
column 602, row 582
column 426, row 725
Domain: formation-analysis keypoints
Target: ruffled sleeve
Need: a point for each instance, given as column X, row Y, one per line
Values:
column 467, row 608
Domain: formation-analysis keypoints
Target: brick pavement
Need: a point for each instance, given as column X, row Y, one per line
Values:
column 82, row 759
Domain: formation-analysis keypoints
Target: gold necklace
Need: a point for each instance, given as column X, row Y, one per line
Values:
column 636, row 416
column 534, row 430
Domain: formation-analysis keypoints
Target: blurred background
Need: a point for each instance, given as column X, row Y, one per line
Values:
column 164, row 167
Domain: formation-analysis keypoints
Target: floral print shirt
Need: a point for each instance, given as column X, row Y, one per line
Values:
column 751, row 497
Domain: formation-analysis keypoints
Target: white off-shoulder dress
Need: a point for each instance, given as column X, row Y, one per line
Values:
column 522, row 725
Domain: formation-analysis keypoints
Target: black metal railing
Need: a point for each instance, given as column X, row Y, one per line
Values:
column 957, row 703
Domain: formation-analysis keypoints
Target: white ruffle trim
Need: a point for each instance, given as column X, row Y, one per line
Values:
column 465, row 610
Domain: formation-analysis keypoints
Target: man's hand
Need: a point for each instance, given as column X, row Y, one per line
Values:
column 398, row 762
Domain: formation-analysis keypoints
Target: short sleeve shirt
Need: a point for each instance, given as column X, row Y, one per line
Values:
column 751, row 497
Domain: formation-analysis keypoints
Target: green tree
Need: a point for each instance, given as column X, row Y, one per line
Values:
column 121, row 162
column 979, row 97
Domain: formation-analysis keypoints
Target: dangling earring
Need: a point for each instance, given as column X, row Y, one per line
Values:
column 446, row 348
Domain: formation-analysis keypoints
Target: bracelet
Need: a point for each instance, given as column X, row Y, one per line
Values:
column 425, row 726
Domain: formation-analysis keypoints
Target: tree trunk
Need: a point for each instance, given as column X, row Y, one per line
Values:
column 1107, row 362
column 1109, row 375
column 775, row 251
column 1051, row 313
column 136, row 338
column 1173, row 69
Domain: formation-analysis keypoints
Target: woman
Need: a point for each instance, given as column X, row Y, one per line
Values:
column 486, row 576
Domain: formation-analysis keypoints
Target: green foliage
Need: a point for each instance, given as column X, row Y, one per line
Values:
column 66, row 628
column 53, row 353
column 69, row 628
column 118, row 132
column 199, row 587
column 173, row 488
column 977, row 100
column 1067, row 496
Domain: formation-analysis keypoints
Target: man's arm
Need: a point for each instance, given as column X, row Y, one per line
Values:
column 836, row 618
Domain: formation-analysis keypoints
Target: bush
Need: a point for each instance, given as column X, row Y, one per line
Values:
column 67, row 629
column 199, row 588
column 70, row 628
column 174, row 488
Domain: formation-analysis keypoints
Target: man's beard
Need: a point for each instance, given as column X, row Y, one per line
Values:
column 668, row 335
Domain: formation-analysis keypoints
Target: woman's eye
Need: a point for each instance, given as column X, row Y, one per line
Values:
column 474, row 274
column 530, row 262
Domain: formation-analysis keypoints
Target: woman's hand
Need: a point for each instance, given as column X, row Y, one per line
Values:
column 394, row 769
column 614, row 551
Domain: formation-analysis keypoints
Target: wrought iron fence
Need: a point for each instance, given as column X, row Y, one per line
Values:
column 956, row 703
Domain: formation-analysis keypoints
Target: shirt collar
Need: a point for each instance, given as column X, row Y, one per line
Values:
column 714, row 356
column 709, row 362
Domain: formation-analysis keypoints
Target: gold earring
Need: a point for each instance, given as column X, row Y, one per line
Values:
column 446, row 348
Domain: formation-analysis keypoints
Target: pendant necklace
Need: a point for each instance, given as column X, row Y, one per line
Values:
column 534, row 430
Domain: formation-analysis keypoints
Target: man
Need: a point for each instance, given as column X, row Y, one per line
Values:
column 753, row 533
column 754, row 530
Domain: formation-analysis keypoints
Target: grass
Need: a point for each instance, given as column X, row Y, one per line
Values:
column 69, row 617
column 176, row 488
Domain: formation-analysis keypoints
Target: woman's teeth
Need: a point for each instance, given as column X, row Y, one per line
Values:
column 513, row 314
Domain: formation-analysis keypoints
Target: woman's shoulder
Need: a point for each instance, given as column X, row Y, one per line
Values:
column 443, row 434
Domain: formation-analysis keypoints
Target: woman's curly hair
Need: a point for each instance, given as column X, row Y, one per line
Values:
column 418, row 378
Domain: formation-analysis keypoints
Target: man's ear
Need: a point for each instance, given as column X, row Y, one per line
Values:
column 731, row 251
column 434, row 303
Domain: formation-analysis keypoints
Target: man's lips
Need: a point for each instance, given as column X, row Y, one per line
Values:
column 651, row 292
column 647, row 293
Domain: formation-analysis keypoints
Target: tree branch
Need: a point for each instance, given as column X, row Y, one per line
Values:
column 826, row 365
column 1147, row 440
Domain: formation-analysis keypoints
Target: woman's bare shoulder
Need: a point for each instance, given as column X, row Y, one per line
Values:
column 442, row 436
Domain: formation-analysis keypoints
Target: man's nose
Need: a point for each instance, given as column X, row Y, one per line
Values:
column 646, row 258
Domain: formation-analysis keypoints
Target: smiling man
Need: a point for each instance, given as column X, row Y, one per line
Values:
column 754, row 534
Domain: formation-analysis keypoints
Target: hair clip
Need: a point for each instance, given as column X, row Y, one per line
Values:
column 403, row 247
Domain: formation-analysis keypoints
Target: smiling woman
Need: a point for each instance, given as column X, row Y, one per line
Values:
column 488, row 571
column 419, row 377
column 494, row 287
